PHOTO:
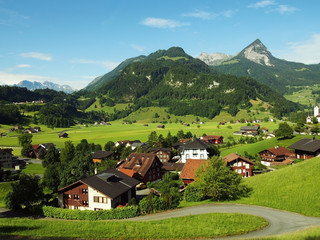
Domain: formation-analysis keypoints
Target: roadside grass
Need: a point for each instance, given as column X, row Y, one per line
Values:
column 189, row 227
column 312, row 233
column 33, row 168
column 294, row 188
column 5, row 187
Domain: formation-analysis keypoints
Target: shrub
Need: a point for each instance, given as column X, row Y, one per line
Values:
column 117, row 213
column 193, row 194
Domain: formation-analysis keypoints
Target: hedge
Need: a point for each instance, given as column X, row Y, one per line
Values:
column 117, row 213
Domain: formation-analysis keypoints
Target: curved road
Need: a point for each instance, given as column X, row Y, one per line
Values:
column 280, row 222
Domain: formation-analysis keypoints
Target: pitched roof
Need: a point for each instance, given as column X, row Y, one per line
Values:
column 173, row 166
column 140, row 162
column 211, row 137
column 102, row 154
column 233, row 157
column 111, row 183
column 190, row 168
column 165, row 150
column 128, row 172
column 196, row 144
column 249, row 128
column 6, row 150
column 279, row 151
column 306, row 144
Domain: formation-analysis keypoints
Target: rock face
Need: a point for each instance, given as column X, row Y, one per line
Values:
column 214, row 59
column 258, row 53
column 37, row 85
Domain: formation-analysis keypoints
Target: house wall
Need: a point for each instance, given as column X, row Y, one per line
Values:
column 187, row 181
column 305, row 155
column 154, row 172
column 6, row 160
column 242, row 167
column 193, row 154
column 105, row 204
column 76, row 197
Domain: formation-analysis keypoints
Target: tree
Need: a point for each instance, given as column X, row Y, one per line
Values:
column 67, row 153
column 180, row 134
column 299, row 127
column 51, row 177
column 314, row 120
column 315, row 130
column 217, row 182
column 26, row 149
column 52, row 156
column 284, row 131
column 25, row 192
column 152, row 139
column 109, row 146
column 25, row 141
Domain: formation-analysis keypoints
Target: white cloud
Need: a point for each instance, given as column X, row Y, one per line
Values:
column 137, row 47
column 37, row 55
column 229, row 13
column 105, row 64
column 307, row 52
column 285, row 9
column 162, row 23
column 201, row 14
column 262, row 4
column 23, row 66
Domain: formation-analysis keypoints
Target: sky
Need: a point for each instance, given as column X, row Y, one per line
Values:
column 73, row 41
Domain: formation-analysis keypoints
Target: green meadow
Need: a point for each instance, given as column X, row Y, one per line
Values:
column 190, row 227
column 5, row 187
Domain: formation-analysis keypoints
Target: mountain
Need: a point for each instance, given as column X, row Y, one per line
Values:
column 187, row 85
column 37, row 85
column 214, row 59
column 257, row 62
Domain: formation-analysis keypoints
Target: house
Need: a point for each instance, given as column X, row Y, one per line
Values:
column 105, row 190
column 100, row 156
column 172, row 167
column 34, row 153
column 164, row 154
column 63, row 135
column 187, row 124
column 212, row 139
column 147, row 165
column 136, row 145
column 161, row 126
column 222, row 123
column 29, row 130
column 248, row 130
column 188, row 173
column 127, row 143
column 195, row 149
column 306, row 148
column 6, row 157
column 276, row 156
column 37, row 129
column 265, row 130
column 239, row 164
column 315, row 114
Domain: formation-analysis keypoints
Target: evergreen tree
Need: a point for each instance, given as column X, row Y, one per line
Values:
column 52, row 156
column 284, row 131
column 109, row 146
column 67, row 153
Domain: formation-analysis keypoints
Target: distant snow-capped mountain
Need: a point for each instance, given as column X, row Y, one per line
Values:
column 37, row 85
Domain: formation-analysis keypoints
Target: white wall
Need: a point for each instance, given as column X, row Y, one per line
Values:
column 193, row 154
column 92, row 205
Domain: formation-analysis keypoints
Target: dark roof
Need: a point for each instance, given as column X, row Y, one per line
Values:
column 249, row 128
column 196, row 144
column 46, row 145
column 172, row 166
column 111, row 183
column 306, row 144
column 102, row 154
column 165, row 150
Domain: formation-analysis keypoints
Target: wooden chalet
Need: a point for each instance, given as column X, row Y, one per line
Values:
column 172, row 167
column 188, row 173
column 164, row 154
column 147, row 166
column 276, row 156
column 212, row 139
column 6, row 157
column 306, row 148
column 63, row 135
column 105, row 190
column 239, row 164
column 100, row 156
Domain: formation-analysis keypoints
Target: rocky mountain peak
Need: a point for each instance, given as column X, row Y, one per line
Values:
column 258, row 53
column 214, row 59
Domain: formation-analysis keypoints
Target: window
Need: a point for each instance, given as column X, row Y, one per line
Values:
column 76, row 197
column 100, row 199
column 201, row 156
column 187, row 156
column 98, row 209
column 85, row 203
column 247, row 166
column 84, row 191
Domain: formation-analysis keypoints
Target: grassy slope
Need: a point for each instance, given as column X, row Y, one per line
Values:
column 5, row 187
column 295, row 188
column 206, row 225
column 33, row 168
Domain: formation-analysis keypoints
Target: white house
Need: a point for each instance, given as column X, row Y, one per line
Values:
column 103, row 191
column 195, row 149
column 315, row 114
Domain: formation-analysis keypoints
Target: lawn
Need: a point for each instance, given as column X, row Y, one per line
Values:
column 33, row 168
column 198, row 226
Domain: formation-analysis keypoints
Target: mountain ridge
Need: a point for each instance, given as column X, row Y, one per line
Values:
column 33, row 85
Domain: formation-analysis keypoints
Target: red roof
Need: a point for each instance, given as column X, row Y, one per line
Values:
column 280, row 151
column 128, row 172
column 190, row 168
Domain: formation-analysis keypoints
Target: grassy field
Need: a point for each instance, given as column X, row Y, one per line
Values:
column 33, row 168
column 198, row 226
column 5, row 187
column 118, row 131
column 304, row 96
column 308, row 234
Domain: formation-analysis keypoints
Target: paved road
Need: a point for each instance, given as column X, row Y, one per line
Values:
column 279, row 221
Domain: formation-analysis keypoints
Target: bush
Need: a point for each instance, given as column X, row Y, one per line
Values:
column 193, row 194
column 117, row 213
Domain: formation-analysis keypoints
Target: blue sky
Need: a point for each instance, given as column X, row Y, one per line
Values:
column 74, row 41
